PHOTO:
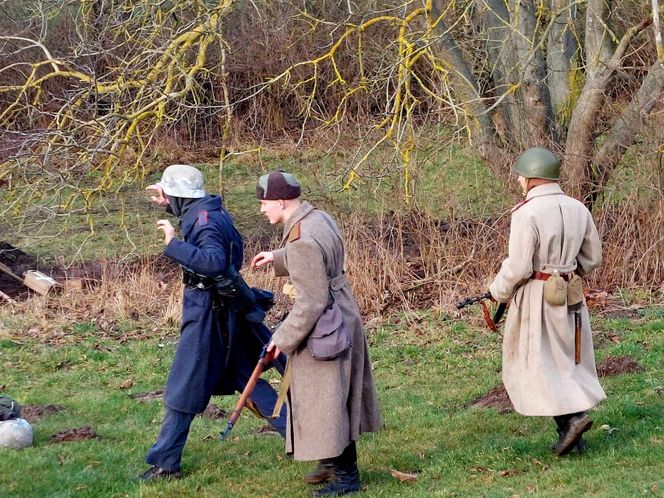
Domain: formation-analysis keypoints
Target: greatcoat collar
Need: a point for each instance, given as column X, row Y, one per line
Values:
column 545, row 189
column 303, row 210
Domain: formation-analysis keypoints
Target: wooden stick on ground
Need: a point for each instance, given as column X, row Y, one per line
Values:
column 7, row 298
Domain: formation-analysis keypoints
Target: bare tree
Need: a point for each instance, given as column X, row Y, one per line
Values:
column 93, row 86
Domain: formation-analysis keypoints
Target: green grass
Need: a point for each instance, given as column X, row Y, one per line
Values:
column 427, row 371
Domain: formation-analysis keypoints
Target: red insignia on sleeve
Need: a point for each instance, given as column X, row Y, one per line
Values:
column 202, row 218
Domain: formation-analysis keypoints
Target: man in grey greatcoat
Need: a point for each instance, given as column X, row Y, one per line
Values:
column 548, row 358
column 330, row 402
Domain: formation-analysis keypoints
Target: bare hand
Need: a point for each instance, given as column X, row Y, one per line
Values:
column 273, row 346
column 167, row 228
column 262, row 258
column 159, row 199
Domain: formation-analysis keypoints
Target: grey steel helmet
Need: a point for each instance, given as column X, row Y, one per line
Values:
column 182, row 180
column 537, row 162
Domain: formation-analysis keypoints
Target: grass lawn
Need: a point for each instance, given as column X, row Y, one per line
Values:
column 428, row 369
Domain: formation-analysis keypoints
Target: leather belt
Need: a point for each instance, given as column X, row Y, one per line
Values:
column 196, row 281
column 540, row 275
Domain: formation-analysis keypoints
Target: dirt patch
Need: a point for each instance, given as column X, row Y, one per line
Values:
column 497, row 398
column 151, row 396
column 214, row 412
column 603, row 338
column 77, row 434
column 616, row 365
column 18, row 262
column 32, row 413
column 87, row 275
column 628, row 313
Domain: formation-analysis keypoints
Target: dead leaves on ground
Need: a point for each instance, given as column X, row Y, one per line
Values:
column 403, row 476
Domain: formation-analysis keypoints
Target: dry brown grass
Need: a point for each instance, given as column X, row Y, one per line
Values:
column 146, row 293
column 396, row 262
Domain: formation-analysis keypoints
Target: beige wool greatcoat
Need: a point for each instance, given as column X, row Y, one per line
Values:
column 331, row 402
column 549, row 231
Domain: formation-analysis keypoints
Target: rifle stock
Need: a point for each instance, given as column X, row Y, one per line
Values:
column 264, row 359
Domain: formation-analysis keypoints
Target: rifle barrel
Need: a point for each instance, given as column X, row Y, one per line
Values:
column 472, row 300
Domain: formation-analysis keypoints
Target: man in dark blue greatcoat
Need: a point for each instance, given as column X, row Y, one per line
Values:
column 220, row 338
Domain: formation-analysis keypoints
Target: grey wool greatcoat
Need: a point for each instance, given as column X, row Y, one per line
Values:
column 331, row 402
column 549, row 231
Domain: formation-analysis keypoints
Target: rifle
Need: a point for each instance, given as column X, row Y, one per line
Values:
column 264, row 359
column 492, row 323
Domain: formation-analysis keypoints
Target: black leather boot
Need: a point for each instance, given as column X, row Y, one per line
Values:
column 579, row 447
column 571, row 436
column 322, row 473
column 346, row 475
column 158, row 474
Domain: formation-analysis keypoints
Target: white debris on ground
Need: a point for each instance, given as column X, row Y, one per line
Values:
column 16, row 433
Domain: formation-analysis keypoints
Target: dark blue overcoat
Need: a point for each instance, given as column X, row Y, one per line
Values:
column 211, row 357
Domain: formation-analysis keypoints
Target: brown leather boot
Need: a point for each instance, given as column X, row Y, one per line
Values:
column 322, row 473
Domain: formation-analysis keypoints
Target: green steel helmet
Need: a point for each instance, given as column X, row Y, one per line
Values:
column 537, row 162
column 182, row 180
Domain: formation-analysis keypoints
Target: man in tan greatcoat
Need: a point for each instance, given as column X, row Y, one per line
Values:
column 548, row 358
column 330, row 402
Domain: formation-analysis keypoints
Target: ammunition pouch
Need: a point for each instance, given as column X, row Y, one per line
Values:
column 191, row 279
column 234, row 292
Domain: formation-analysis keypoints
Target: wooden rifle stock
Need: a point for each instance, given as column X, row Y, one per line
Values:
column 264, row 359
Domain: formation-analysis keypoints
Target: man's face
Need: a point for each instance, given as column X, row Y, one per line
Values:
column 273, row 210
column 524, row 184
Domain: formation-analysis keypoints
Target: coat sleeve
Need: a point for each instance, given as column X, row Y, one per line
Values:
column 207, row 257
column 279, row 263
column 590, row 253
column 307, row 272
column 519, row 263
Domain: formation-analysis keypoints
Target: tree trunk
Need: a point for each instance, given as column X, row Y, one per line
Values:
column 598, row 39
column 562, row 61
column 534, row 95
column 495, row 22
column 626, row 128
column 466, row 85
column 579, row 148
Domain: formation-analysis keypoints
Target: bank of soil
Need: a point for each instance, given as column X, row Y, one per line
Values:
column 19, row 262
column 617, row 365
column 77, row 434
column 33, row 413
column 497, row 399
column 86, row 275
